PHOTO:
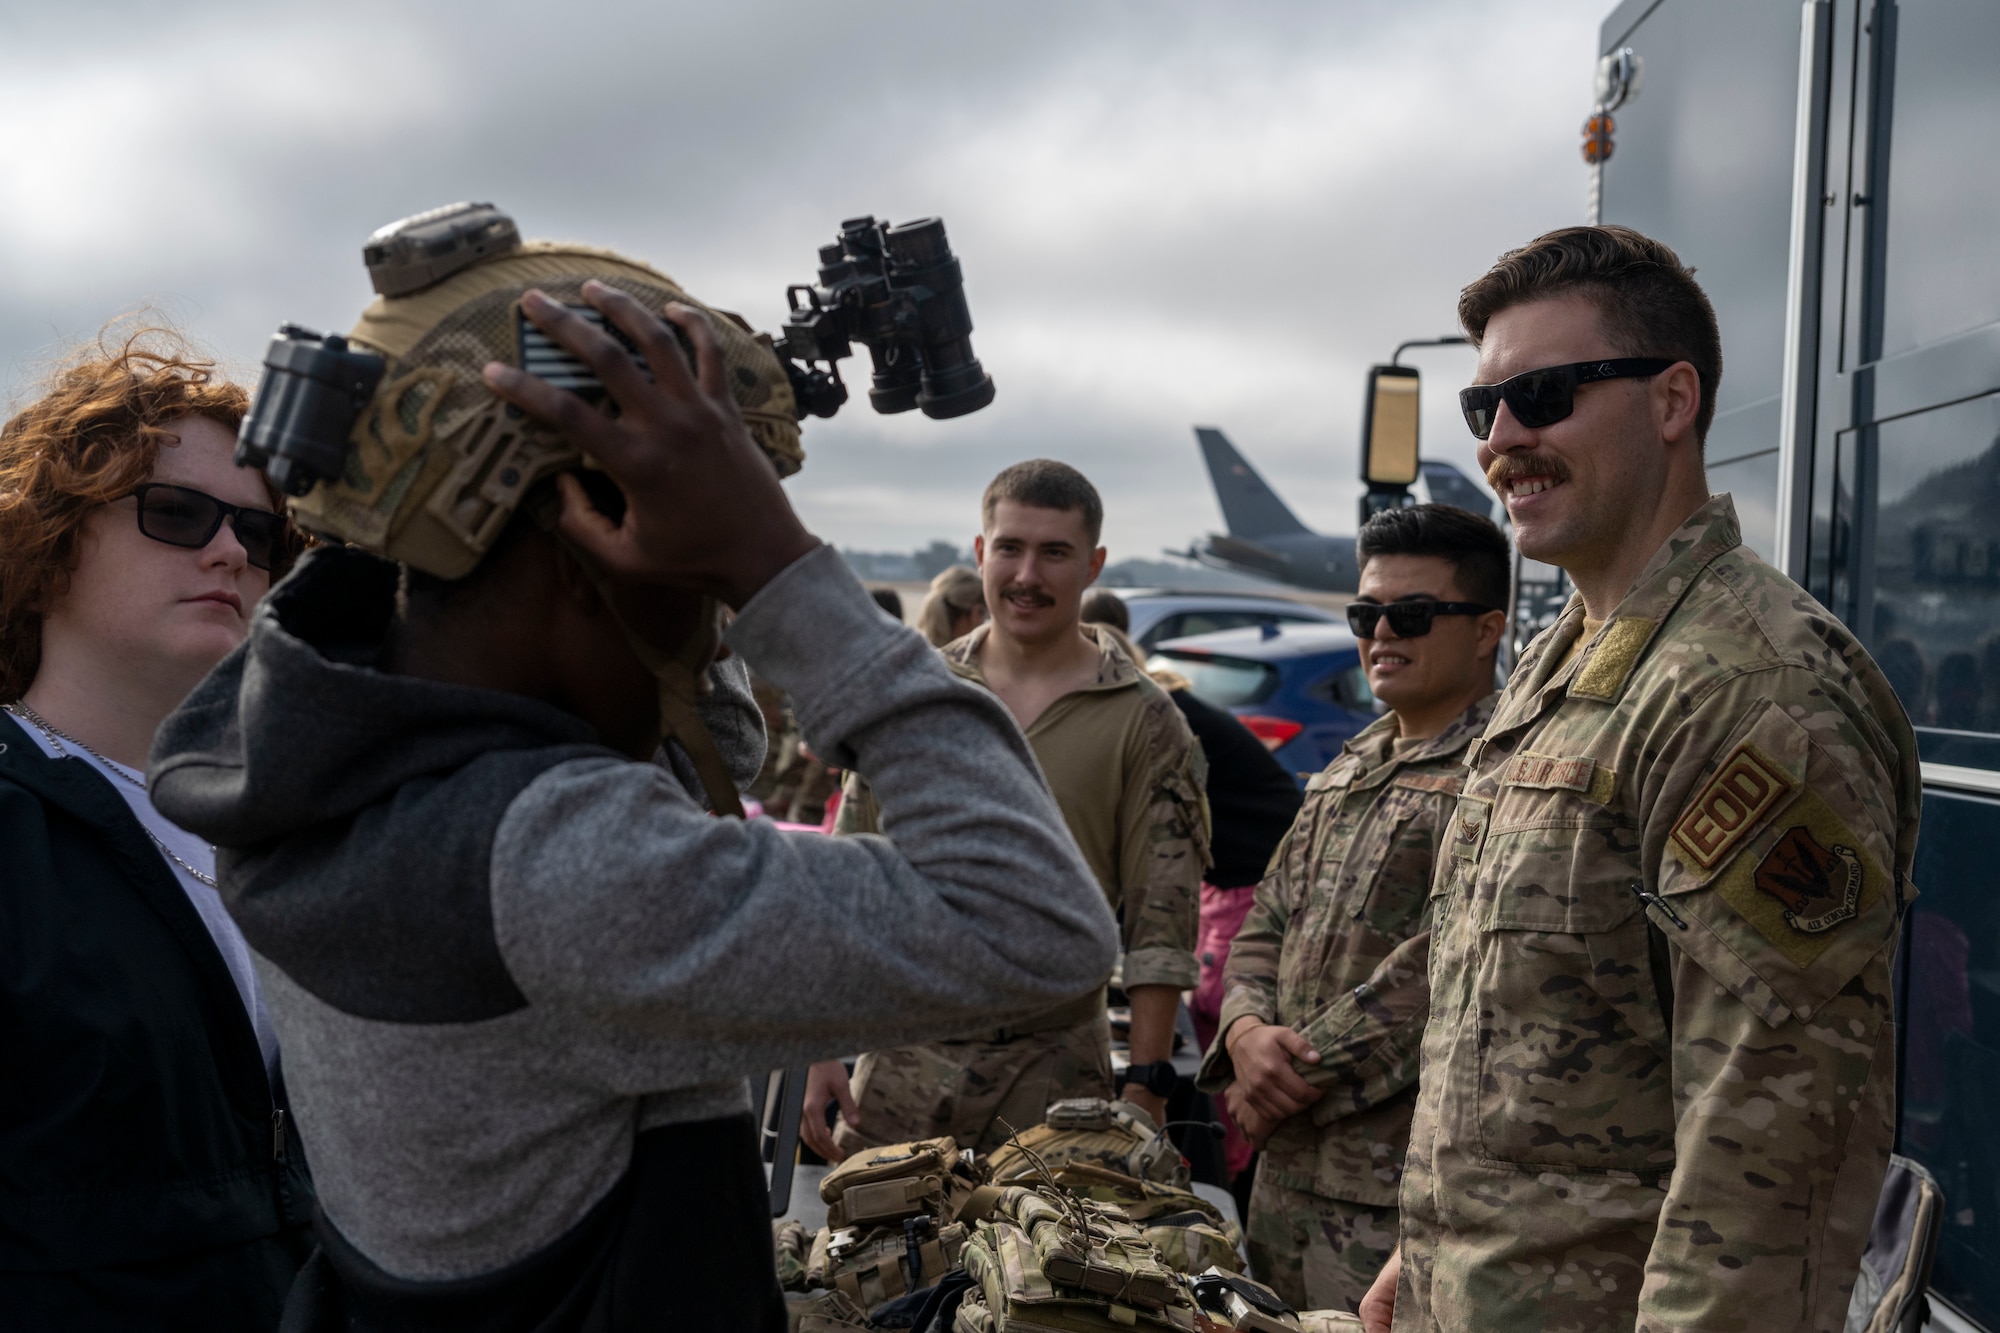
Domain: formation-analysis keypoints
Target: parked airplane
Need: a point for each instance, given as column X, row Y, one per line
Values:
column 1266, row 539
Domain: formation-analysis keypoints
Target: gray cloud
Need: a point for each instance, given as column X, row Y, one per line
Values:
column 1168, row 213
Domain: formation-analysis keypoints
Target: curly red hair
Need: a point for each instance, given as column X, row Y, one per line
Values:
column 88, row 439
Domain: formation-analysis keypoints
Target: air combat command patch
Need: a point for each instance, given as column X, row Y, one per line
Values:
column 1802, row 878
column 1819, row 886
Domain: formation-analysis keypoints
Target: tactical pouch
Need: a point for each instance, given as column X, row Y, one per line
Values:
column 878, row 1265
column 887, row 1184
column 790, row 1243
column 1190, row 1233
column 1115, row 1135
column 1053, row 1260
column 824, row 1312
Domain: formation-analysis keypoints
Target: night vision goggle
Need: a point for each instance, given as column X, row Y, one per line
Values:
column 896, row 290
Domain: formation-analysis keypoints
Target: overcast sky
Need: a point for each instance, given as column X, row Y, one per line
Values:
column 1169, row 213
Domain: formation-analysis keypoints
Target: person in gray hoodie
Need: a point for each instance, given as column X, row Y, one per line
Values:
column 520, row 970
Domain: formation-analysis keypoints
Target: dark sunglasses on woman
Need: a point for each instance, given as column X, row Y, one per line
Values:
column 1407, row 620
column 1543, row 397
column 182, row 516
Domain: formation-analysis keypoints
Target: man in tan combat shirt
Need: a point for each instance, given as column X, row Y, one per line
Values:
column 1126, row 774
column 1328, row 982
column 1658, row 1085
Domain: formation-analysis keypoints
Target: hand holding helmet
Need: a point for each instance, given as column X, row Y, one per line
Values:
column 704, row 506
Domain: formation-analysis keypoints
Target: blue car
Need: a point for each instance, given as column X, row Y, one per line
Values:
column 1300, row 687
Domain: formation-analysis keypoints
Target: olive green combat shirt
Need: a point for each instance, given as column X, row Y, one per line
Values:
column 1658, row 1083
column 1127, row 775
column 1337, row 946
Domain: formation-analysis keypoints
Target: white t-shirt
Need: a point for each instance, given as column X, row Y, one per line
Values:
column 207, row 902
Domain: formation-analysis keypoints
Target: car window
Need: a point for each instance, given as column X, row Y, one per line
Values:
column 1167, row 627
column 1189, row 623
column 1347, row 688
column 1226, row 682
column 1208, row 622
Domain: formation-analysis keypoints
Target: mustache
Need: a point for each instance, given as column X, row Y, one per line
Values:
column 1508, row 467
column 1039, row 597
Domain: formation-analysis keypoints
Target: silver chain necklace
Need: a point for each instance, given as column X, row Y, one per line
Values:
column 19, row 708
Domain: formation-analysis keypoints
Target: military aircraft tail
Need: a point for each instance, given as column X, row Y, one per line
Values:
column 1249, row 506
column 1448, row 486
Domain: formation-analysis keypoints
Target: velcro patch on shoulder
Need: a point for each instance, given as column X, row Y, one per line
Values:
column 1813, row 878
column 1553, row 773
column 1617, row 652
column 1450, row 783
column 1747, row 787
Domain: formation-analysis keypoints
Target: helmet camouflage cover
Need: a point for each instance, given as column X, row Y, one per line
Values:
column 438, row 463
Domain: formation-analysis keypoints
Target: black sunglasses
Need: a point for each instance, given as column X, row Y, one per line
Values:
column 181, row 516
column 1407, row 620
column 1543, row 397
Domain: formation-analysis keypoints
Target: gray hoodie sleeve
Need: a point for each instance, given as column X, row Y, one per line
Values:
column 732, row 947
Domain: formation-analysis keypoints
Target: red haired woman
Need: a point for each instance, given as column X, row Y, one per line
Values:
column 148, row 1177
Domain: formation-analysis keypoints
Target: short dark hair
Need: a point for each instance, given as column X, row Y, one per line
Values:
column 1479, row 555
column 1046, row 484
column 889, row 600
column 1101, row 606
column 1648, row 300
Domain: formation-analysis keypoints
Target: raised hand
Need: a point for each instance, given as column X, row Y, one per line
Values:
column 704, row 509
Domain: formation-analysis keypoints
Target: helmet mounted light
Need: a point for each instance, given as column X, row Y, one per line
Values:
column 313, row 390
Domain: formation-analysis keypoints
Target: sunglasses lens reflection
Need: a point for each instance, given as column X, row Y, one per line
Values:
column 1541, row 398
column 1406, row 620
column 260, row 535
column 1477, row 404
column 1410, row 622
column 178, row 517
column 182, row 517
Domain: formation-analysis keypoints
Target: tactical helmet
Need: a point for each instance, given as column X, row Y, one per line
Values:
column 389, row 440
column 435, row 464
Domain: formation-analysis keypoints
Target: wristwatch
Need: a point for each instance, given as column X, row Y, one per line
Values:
column 1157, row 1078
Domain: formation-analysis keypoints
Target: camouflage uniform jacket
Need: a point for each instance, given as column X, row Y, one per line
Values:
column 1658, row 1083
column 1127, row 775
column 1337, row 946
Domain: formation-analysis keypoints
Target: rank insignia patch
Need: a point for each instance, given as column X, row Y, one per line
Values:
column 1468, row 827
column 1819, row 886
column 1747, row 787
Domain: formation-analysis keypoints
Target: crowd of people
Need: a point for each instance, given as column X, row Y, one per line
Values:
column 380, row 953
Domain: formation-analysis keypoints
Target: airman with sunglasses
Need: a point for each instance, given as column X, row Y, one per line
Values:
column 1657, row 1088
column 1327, row 986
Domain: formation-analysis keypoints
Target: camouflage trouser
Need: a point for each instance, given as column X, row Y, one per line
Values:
column 1317, row 1253
column 966, row 1088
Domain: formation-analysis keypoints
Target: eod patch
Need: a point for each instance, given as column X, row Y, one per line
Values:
column 1743, row 791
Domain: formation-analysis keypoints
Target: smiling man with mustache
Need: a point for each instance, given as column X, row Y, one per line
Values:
column 1124, row 771
column 1658, row 1084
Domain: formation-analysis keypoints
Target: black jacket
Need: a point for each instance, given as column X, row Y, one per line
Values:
column 1252, row 800
column 148, row 1175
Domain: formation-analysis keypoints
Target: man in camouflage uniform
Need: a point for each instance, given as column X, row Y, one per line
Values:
column 1328, row 986
column 1657, row 1087
column 1125, row 772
